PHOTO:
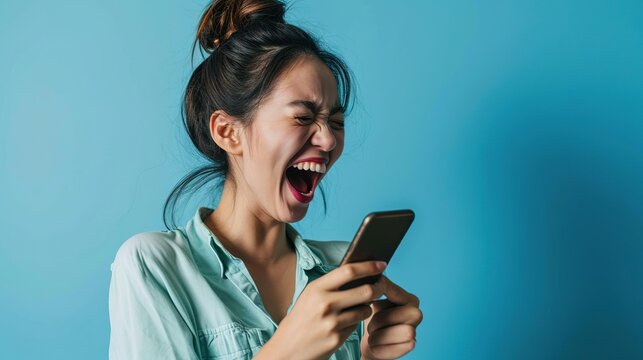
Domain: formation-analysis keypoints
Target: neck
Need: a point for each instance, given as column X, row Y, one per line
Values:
column 246, row 231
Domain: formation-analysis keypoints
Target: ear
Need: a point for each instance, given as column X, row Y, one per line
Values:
column 225, row 131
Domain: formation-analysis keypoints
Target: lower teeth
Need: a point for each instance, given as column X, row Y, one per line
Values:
column 308, row 193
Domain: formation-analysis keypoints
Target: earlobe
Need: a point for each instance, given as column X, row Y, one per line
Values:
column 224, row 131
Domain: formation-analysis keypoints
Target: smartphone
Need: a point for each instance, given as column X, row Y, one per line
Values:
column 377, row 238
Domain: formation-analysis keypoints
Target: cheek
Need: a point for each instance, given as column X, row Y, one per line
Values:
column 272, row 151
column 292, row 140
column 268, row 144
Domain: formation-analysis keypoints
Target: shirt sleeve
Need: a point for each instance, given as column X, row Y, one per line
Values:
column 145, row 323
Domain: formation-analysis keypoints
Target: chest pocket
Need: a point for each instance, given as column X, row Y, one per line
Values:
column 231, row 341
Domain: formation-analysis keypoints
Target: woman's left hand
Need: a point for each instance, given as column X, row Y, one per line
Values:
column 390, row 331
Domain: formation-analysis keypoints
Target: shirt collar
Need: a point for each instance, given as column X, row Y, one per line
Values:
column 215, row 259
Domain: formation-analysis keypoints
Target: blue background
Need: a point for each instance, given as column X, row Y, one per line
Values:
column 514, row 130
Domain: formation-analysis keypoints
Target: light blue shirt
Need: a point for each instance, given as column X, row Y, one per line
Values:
column 181, row 295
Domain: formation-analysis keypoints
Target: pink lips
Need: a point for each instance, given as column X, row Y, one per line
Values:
column 303, row 198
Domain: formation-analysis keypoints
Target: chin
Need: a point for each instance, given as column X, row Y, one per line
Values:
column 295, row 215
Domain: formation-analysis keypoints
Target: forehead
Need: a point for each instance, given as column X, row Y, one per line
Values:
column 308, row 78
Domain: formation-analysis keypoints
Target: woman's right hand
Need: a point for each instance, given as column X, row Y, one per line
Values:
column 323, row 316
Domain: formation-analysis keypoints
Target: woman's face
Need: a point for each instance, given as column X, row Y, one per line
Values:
column 300, row 118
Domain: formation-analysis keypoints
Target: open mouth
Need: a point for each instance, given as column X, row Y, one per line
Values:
column 304, row 181
column 303, row 177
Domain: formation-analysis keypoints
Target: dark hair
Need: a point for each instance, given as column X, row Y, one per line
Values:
column 249, row 45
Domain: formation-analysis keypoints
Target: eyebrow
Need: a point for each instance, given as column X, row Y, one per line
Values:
column 314, row 107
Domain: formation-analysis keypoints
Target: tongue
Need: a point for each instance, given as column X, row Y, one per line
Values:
column 299, row 179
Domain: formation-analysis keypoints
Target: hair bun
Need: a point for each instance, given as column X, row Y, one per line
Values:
column 223, row 18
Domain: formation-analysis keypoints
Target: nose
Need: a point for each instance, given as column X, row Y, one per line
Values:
column 324, row 137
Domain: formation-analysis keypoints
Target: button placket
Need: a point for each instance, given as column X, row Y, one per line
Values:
column 236, row 272
column 301, row 280
column 244, row 283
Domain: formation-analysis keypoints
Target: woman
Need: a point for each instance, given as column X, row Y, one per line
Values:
column 266, row 107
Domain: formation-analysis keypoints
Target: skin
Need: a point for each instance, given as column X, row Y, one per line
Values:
column 251, row 216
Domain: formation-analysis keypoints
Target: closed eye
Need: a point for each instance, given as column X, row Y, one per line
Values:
column 337, row 124
column 304, row 119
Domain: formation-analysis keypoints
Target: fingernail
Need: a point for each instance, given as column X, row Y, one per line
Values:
column 381, row 265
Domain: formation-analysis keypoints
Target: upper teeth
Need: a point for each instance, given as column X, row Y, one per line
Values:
column 320, row 168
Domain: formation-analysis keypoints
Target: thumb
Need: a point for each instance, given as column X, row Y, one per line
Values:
column 379, row 305
column 394, row 293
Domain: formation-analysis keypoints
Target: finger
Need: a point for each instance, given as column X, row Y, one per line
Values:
column 396, row 294
column 347, row 331
column 353, row 315
column 395, row 334
column 344, row 333
column 379, row 305
column 363, row 294
column 348, row 272
column 394, row 351
column 409, row 315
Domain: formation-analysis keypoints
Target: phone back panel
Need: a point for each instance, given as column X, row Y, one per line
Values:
column 378, row 237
